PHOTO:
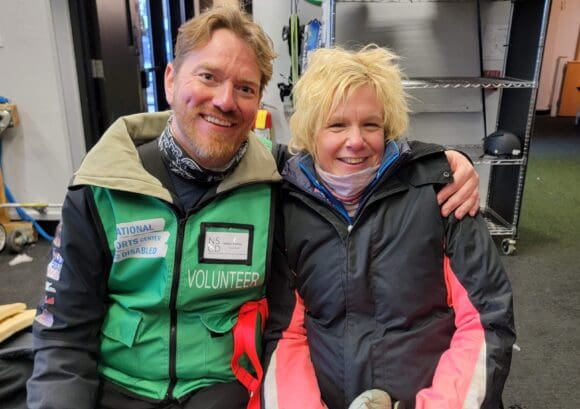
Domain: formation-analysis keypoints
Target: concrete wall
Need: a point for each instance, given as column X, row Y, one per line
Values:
column 37, row 73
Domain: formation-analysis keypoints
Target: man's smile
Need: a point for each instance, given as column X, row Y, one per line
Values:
column 217, row 121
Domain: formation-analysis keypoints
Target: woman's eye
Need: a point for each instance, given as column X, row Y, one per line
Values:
column 335, row 125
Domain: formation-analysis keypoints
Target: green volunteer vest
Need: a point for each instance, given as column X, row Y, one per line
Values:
column 205, row 266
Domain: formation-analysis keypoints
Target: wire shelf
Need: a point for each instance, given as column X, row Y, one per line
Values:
column 496, row 225
column 475, row 153
column 467, row 82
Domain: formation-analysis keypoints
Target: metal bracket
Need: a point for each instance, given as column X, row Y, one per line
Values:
column 97, row 68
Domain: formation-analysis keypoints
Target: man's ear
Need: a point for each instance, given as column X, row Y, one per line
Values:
column 170, row 74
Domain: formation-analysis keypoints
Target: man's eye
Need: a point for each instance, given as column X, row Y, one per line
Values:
column 245, row 89
column 206, row 76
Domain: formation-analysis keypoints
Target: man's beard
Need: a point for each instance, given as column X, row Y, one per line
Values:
column 216, row 150
column 212, row 150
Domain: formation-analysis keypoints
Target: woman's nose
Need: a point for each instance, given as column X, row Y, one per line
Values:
column 355, row 138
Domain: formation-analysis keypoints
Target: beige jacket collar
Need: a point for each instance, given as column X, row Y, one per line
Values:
column 114, row 162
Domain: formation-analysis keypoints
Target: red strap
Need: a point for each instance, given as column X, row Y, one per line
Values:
column 245, row 343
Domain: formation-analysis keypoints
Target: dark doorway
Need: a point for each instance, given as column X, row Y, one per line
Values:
column 160, row 22
column 122, row 48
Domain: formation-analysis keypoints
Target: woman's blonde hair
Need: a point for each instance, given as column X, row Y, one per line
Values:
column 332, row 76
column 197, row 32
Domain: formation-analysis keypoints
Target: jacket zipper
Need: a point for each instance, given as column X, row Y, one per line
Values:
column 173, row 296
column 173, row 310
column 174, row 287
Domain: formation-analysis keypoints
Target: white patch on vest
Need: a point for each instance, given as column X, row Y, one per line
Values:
column 45, row 318
column 141, row 239
column 49, row 288
column 55, row 266
column 226, row 245
column 220, row 279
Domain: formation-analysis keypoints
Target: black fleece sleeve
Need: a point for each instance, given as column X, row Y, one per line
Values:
column 69, row 317
column 279, row 290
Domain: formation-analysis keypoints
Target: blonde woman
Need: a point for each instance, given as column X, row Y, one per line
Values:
column 373, row 289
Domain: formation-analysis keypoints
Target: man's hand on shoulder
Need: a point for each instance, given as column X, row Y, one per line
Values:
column 462, row 195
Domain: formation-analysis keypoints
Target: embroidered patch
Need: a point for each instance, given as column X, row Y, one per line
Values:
column 141, row 239
column 45, row 318
column 55, row 266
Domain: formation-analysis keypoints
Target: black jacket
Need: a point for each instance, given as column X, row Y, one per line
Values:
column 398, row 298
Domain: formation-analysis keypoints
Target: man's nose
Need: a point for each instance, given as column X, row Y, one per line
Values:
column 224, row 97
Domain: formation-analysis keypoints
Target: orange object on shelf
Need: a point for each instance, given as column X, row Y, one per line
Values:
column 263, row 119
column 570, row 96
column 263, row 124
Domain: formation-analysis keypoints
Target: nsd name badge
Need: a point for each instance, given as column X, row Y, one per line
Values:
column 226, row 243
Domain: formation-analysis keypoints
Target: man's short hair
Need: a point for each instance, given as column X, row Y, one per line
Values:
column 197, row 32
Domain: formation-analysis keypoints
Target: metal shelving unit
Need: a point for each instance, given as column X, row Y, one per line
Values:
column 475, row 154
column 470, row 82
column 517, row 92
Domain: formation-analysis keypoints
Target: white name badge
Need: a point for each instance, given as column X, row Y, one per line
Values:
column 226, row 243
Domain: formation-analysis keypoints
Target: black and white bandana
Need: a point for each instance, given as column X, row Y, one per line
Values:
column 183, row 165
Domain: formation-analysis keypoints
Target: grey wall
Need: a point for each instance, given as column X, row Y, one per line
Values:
column 37, row 73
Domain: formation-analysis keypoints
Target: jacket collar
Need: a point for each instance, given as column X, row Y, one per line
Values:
column 299, row 171
column 114, row 162
column 395, row 174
